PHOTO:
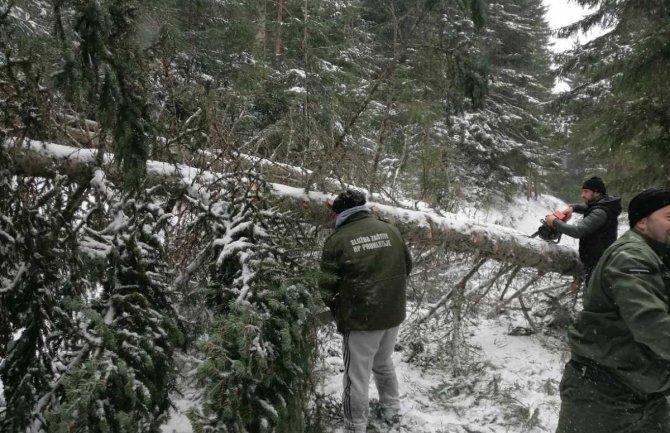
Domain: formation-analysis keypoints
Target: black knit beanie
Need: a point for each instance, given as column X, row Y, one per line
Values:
column 595, row 184
column 348, row 199
column 646, row 203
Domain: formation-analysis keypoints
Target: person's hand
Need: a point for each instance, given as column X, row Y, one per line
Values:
column 568, row 213
column 549, row 219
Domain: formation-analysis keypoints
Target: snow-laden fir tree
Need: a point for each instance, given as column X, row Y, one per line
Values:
column 102, row 75
column 254, row 301
column 620, row 100
column 40, row 270
column 87, row 341
column 125, row 370
column 508, row 133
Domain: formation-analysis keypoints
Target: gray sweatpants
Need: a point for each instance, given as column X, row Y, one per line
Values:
column 368, row 352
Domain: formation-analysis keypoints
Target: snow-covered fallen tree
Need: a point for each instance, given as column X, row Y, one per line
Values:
column 455, row 233
column 231, row 274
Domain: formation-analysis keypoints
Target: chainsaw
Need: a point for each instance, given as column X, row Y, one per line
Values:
column 547, row 232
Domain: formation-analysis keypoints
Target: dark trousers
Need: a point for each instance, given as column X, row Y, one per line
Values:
column 593, row 401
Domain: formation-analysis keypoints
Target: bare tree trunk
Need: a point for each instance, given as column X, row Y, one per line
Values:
column 395, row 30
column 532, row 184
column 279, row 46
column 306, row 60
column 261, row 32
column 403, row 160
column 374, row 182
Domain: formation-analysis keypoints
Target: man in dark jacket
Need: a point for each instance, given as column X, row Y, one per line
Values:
column 619, row 372
column 598, row 229
column 366, row 264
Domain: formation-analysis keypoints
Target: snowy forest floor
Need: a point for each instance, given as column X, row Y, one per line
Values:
column 509, row 383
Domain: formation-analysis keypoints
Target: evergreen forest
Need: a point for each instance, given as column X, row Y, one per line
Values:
column 165, row 167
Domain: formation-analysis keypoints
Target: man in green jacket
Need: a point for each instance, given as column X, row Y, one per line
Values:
column 619, row 372
column 366, row 264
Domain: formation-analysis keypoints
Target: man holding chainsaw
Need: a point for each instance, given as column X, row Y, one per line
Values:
column 618, row 376
column 598, row 229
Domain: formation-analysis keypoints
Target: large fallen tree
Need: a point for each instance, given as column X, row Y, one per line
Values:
column 34, row 158
column 221, row 266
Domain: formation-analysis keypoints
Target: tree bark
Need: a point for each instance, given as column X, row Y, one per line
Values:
column 279, row 47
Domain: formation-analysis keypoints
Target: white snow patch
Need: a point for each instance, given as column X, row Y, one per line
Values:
column 524, row 370
column 298, row 72
column 178, row 421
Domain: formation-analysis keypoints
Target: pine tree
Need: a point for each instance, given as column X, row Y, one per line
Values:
column 39, row 269
column 103, row 76
column 620, row 93
column 126, row 370
column 37, row 264
column 25, row 101
column 507, row 134
column 259, row 347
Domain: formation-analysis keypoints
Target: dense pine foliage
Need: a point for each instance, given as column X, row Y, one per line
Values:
column 436, row 98
column 620, row 101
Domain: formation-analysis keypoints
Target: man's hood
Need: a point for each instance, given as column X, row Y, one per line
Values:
column 611, row 203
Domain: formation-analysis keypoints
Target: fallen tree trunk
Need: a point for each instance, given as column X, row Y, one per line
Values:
column 457, row 234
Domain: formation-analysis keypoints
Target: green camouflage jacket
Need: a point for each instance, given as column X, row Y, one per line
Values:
column 368, row 264
column 625, row 324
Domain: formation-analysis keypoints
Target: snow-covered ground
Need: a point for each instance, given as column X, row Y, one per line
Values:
column 178, row 421
column 522, row 214
column 513, row 381
column 512, row 387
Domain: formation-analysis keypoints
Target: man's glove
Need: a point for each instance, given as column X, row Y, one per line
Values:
column 557, row 215
column 568, row 213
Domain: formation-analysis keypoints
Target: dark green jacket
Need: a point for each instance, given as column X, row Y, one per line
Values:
column 368, row 263
column 624, row 327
